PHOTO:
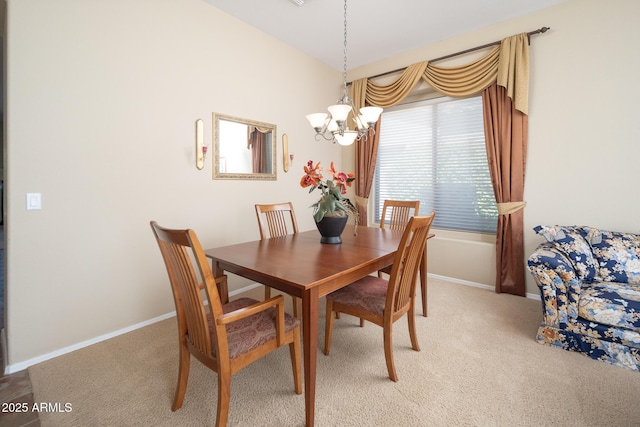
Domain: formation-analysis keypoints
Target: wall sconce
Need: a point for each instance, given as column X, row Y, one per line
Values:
column 201, row 149
column 286, row 157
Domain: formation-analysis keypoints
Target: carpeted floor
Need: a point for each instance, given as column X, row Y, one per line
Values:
column 479, row 366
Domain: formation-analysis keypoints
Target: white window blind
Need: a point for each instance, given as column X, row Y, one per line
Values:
column 436, row 153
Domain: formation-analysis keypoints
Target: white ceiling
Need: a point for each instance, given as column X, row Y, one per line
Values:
column 375, row 29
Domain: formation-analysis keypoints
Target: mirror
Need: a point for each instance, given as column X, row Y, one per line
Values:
column 243, row 149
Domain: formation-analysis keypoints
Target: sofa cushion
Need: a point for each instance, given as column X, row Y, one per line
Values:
column 617, row 255
column 612, row 304
column 571, row 241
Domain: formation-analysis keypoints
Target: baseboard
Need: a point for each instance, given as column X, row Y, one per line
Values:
column 3, row 348
column 476, row 285
column 16, row 367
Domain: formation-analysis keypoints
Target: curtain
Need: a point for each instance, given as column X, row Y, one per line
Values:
column 508, row 66
column 513, row 70
column 365, row 157
column 467, row 79
column 257, row 145
column 505, row 131
column 392, row 94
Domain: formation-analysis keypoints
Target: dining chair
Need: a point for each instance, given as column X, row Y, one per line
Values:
column 397, row 213
column 382, row 301
column 224, row 337
column 273, row 220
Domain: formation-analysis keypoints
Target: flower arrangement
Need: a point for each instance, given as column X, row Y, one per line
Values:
column 331, row 202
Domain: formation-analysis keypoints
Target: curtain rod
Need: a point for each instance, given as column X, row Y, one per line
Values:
column 462, row 52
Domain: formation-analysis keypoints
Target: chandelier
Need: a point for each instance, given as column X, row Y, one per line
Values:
column 333, row 126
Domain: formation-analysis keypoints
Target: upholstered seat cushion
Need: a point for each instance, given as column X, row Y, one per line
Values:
column 246, row 334
column 368, row 293
column 612, row 304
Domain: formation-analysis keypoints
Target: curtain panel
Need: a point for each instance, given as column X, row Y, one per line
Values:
column 257, row 145
column 506, row 134
column 506, row 65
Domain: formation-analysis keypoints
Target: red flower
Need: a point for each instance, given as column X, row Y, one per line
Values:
column 312, row 175
column 341, row 179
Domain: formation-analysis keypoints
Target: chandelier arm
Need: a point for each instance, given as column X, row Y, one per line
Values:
column 325, row 126
column 325, row 137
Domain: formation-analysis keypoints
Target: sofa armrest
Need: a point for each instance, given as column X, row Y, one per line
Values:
column 558, row 282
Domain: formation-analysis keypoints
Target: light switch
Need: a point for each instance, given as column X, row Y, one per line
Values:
column 34, row 201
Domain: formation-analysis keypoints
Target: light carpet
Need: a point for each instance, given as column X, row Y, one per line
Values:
column 479, row 366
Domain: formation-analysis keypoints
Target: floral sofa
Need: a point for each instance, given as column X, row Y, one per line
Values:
column 589, row 281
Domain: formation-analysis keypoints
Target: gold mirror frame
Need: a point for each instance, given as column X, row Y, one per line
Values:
column 219, row 169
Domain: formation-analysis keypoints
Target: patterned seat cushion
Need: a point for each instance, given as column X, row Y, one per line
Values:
column 571, row 241
column 249, row 333
column 368, row 293
column 612, row 304
column 617, row 255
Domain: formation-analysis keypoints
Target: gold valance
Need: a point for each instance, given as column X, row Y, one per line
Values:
column 513, row 70
column 507, row 64
column 392, row 94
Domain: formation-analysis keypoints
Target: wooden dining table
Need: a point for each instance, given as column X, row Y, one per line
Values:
column 299, row 265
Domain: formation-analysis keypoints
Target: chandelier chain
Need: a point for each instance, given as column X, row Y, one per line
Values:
column 344, row 71
column 334, row 126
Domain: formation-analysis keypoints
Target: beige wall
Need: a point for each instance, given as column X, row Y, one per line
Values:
column 103, row 96
column 102, row 99
column 584, row 132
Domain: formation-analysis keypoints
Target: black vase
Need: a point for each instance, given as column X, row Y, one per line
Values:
column 331, row 227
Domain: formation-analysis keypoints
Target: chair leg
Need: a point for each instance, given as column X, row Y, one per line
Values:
column 423, row 283
column 294, row 351
column 224, row 391
column 267, row 292
column 388, row 353
column 412, row 330
column 424, row 298
column 328, row 330
column 362, row 323
column 183, row 376
column 296, row 310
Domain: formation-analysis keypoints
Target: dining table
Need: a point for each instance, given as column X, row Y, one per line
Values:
column 299, row 265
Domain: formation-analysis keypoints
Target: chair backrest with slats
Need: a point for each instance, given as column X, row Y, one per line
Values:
column 273, row 219
column 187, row 267
column 399, row 213
column 406, row 262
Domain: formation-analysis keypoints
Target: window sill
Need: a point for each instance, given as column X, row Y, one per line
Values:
column 464, row 236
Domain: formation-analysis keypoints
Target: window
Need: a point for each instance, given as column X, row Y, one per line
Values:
column 435, row 152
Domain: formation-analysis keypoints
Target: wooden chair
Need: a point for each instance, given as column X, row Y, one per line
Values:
column 273, row 220
column 225, row 338
column 383, row 302
column 399, row 212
